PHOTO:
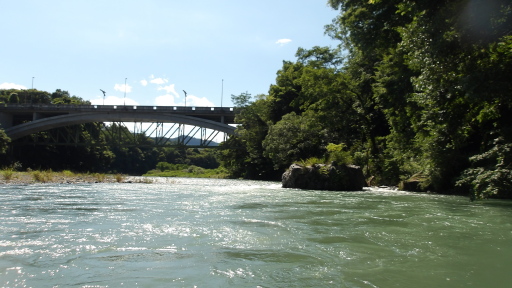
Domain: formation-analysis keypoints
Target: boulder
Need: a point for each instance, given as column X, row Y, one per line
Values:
column 324, row 177
column 417, row 183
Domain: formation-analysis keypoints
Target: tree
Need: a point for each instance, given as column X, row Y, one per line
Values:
column 293, row 138
column 242, row 154
column 242, row 100
column 4, row 141
column 13, row 98
column 491, row 173
column 284, row 94
column 63, row 97
column 437, row 72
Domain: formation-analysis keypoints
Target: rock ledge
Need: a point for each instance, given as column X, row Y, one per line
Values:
column 324, row 177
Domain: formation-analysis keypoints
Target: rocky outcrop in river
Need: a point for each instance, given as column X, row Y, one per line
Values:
column 324, row 177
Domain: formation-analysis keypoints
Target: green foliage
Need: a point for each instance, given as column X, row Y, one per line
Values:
column 439, row 74
column 283, row 95
column 63, row 97
column 119, row 177
column 242, row 100
column 294, row 137
column 4, row 141
column 183, row 170
column 100, row 177
column 312, row 161
column 491, row 172
column 28, row 96
column 242, row 154
column 13, row 98
column 67, row 173
column 164, row 166
column 34, row 96
column 8, row 174
column 80, row 158
column 42, row 176
column 337, row 153
column 205, row 158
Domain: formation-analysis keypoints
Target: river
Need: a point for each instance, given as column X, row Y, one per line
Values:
column 237, row 233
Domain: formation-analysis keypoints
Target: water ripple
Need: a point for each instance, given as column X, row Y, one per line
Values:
column 217, row 233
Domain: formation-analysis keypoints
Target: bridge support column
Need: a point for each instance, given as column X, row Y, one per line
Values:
column 36, row 116
column 5, row 120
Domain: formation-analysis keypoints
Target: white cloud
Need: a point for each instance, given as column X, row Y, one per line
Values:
column 121, row 88
column 192, row 101
column 170, row 90
column 144, row 82
column 114, row 100
column 165, row 100
column 283, row 41
column 199, row 102
column 159, row 81
column 6, row 85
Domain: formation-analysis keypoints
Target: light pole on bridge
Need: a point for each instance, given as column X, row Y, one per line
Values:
column 31, row 92
column 185, row 97
column 103, row 96
column 125, row 91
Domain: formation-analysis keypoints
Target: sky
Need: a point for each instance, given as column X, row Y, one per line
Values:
column 159, row 48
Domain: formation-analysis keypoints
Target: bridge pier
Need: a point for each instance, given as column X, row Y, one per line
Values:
column 5, row 120
column 36, row 116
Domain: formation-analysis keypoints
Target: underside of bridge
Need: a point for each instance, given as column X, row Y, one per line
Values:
column 120, row 129
column 123, row 134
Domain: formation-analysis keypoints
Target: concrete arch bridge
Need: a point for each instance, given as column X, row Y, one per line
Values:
column 152, row 125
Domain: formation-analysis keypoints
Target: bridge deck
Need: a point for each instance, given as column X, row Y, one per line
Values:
column 19, row 113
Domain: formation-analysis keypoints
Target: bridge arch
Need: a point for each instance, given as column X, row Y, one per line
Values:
column 44, row 124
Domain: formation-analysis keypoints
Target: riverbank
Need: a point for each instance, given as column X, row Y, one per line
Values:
column 9, row 177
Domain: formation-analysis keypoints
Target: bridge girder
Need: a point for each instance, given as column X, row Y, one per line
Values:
column 44, row 124
column 119, row 134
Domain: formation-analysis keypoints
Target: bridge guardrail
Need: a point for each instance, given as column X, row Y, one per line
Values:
column 52, row 107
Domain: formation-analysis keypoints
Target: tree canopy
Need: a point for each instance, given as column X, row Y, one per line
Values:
column 413, row 87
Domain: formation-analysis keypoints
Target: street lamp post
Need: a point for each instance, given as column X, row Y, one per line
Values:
column 32, row 89
column 183, row 127
column 103, row 96
column 125, row 91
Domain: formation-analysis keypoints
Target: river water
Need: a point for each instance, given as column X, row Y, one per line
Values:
column 236, row 233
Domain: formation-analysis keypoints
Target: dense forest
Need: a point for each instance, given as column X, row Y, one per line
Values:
column 415, row 89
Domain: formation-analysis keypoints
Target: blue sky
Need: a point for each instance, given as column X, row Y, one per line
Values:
column 211, row 49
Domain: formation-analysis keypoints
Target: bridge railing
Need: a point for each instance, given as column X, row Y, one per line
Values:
column 67, row 107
